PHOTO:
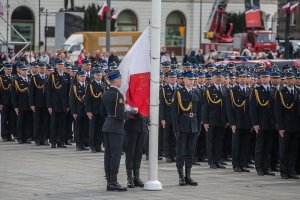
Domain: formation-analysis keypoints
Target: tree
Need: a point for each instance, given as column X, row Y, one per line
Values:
column 92, row 21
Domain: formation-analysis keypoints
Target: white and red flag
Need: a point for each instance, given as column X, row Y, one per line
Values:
column 294, row 7
column 286, row 7
column 135, row 71
column 103, row 10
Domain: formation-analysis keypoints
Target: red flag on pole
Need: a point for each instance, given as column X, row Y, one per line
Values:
column 103, row 10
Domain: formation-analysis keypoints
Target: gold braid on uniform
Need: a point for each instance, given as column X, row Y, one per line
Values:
column 57, row 87
column 234, row 103
column 36, row 85
column 18, row 89
column 93, row 94
column 283, row 102
column 180, row 103
column 80, row 99
column 209, row 99
column 116, row 104
column 166, row 101
column 2, row 85
column 258, row 99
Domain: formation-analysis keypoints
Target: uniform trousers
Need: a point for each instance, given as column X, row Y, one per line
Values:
column 185, row 150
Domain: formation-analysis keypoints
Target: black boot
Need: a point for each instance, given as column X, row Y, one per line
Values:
column 114, row 185
column 137, row 181
column 107, row 180
column 130, row 183
column 188, row 179
column 181, row 177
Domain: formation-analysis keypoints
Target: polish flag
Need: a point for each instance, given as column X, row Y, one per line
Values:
column 115, row 14
column 103, row 10
column 1, row 8
column 286, row 7
column 294, row 7
column 135, row 71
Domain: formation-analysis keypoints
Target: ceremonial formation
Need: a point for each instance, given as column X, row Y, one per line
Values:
column 208, row 113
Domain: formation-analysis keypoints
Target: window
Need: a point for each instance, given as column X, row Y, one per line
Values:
column 292, row 19
column 175, row 41
column 127, row 21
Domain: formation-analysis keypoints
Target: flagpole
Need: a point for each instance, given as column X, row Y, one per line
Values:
column 108, row 24
column 152, row 183
column 287, row 32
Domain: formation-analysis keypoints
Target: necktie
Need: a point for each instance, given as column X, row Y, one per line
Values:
column 292, row 91
column 244, row 91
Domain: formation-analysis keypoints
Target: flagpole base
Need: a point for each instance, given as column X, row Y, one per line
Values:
column 153, row 185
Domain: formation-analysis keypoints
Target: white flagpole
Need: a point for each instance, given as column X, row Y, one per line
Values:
column 152, row 183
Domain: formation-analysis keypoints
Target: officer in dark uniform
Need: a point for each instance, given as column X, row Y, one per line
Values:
column 287, row 118
column 20, row 101
column 87, row 66
column 239, row 120
column 37, row 102
column 214, row 120
column 186, row 118
column 8, row 115
column 57, row 102
column 135, row 129
column 166, row 95
column 77, row 96
column 93, row 98
column 261, row 120
column 113, row 130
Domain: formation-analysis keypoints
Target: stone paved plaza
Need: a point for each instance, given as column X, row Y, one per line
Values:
column 30, row 172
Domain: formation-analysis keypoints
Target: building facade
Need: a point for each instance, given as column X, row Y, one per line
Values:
column 134, row 15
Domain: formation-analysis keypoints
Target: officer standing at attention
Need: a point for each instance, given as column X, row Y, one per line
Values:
column 37, row 101
column 239, row 120
column 214, row 120
column 186, row 118
column 58, row 88
column 93, row 98
column 166, row 95
column 113, row 130
column 287, row 117
column 77, row 96
column 261, row 118
column 8, row 115
column 20, row 100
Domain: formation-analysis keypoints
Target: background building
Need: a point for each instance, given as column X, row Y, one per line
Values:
column 134, row 15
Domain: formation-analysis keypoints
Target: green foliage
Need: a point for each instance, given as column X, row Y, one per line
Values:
column 238, row 20
column 92, row 21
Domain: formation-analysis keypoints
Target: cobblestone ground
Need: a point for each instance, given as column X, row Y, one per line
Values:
column 30, row 172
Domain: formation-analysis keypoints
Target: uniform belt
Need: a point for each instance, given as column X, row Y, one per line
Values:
column 111, row 116
column 190, row 114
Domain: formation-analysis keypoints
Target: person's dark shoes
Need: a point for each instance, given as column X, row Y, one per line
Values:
column 99, row 149
column 213, row 166
column 196, row 162
column 130, row 183
column 79, row 148
column 251, row 162
column 20, row 141
column 293, row 176
column 168, row 160
column 93, row 150
column 116, row 187
column 260, row 173
column 237, row 169
column 284, row 176
column 173, row 159
column 159, row 157
column 68, row 142
column 85, row 148
column 275, row 169
column 181, row 177
column 188, row 179
column 27, row 142
column 249, row 166
column 269, row 173
column 245, row 169
column 220, row 166
column 44, row 143
column 37, row 143
column 203, row 160
column 52, row 146
column 223, row 163
column 136, row 178
column 61, row 146
column 228, row 158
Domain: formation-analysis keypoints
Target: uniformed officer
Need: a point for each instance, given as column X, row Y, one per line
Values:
column 186, row 118
column 239, row 120
column 8, row 115
column 93, row 98
column 57, row 102
column 20, row 101
column 261, row 120
column 287, row 118
column 166, row 95
column 37, row 101
column 87, row 66
column 113, row 130
column 214, row 120
column 76, row 102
